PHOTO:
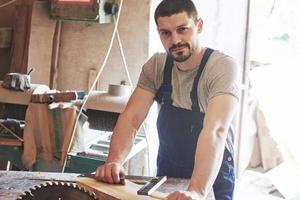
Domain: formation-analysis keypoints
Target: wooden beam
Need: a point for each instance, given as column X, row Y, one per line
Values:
column 55, row 55
column 10, row 142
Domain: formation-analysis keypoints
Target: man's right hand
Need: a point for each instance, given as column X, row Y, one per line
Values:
column 110, row 172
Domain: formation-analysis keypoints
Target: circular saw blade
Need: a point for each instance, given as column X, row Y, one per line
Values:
column 57, row 191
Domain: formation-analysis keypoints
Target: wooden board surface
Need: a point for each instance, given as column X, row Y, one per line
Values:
column 20, row 97
column 114, row 192
column 10, row 142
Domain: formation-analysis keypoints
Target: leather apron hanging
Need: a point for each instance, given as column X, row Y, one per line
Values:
column 178, row 131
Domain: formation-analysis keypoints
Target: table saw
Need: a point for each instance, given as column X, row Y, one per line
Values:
column 15, row 183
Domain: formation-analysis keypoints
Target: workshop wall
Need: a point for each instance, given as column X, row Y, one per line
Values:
column 83, row 47
column 225, row 26
column 6, row 21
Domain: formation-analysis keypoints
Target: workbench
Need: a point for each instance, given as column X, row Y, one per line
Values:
column 14, row 183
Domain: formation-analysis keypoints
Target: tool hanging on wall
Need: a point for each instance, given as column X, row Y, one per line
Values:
column 57, row 97
column 100, row 11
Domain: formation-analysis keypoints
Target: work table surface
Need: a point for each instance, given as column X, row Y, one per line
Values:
column 14, row 183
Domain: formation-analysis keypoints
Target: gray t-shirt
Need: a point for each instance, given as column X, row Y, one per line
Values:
column 220, row 76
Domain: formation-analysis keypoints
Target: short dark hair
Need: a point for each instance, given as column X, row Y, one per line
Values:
column 167, row 8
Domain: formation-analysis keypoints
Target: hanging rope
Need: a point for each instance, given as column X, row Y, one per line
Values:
column 94, row 83
column 131, row 85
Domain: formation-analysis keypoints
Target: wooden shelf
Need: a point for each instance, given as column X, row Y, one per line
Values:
column 20, row 97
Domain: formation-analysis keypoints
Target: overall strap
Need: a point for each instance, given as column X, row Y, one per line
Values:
column 164, row 93
column 194, row 93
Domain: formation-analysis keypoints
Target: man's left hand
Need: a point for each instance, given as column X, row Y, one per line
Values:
column 185, row 195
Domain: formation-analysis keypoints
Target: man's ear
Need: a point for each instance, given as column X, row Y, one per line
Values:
column 199, row 25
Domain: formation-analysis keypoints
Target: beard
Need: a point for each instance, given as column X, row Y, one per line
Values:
column 180, row 56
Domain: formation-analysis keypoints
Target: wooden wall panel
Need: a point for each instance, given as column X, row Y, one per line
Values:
column 7, row 14
column 40, row 45
column 84, row 46
column 4, row 62
column 6, row 20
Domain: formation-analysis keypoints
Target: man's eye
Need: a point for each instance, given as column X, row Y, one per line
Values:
column 164, row 33
column 182, row 29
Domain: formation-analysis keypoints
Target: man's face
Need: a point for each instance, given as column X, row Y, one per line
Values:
column 178, row 34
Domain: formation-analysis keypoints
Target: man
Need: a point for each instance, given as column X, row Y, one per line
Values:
column 197, row 105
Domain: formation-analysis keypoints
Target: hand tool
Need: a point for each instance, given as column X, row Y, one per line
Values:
column 57, row 97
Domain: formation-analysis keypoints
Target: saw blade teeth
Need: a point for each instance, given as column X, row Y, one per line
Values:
column 48, row 183
column 38, row 186
column 86, row 190
column 79, row 187
column 56, row 183
column 68, row 184
column 92, row 194
column 22, row 195
column 48, row 188
column 27, row 193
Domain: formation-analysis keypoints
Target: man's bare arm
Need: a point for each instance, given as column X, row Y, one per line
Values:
column 123, row 135
column 128, row 123
column 211, row 143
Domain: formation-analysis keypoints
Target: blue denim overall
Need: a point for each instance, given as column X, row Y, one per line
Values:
column 178, row 131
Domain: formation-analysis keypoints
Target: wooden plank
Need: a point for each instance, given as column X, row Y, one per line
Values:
column 55, row 55
column 10, row 142
column 21, row 36
column 41, row 42
column 19, row 97
column 92, row 78
column 117, row 192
